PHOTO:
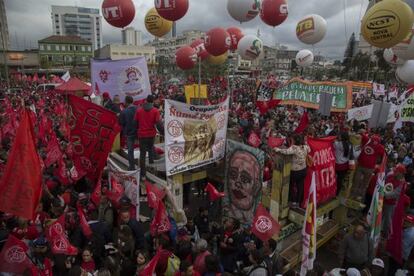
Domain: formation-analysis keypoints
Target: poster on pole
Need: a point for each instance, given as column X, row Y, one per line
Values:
column 195, row 135
column 407, row 110
column 125, row 77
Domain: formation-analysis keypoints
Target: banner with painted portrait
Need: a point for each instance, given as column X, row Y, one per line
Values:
column 126, row 77
column 244, row 175
column 195, row 135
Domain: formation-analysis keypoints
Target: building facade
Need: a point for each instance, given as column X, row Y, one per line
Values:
column 78, row 21
column 120, row 51
column 20, row 60
column 64, row 51
column 4, row 30
column 130, row 36
column 277, row 60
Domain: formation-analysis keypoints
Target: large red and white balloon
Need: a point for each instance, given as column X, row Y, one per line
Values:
column 200, row 48
column 243, row 10
column 186, row 57
column 235, row 35
column 250, row 47
column 273, row 12
column 172, row 10
column 217, row 41
column 311, row 29
column 118, row 13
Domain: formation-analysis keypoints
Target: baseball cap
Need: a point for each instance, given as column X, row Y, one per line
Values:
column 378, row 262
column 353, row 272
column 105, row 95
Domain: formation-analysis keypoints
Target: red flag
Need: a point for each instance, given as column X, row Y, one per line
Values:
column 303, row 124
column 160, row 223
column 254, row 140
column 150, row 267
column 275, row 142
column 54, row 153
column 93, row 131
column 13, row 256
column 212, row 192
column 56, row 236
column 116, row 191
column 154, row 195
column 394, row 242
column 21, row 184
column 86, row 229
column 264, row 226
column 264, row 106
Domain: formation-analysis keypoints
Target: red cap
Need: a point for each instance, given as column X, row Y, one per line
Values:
column 400, row 168
column 105, row 95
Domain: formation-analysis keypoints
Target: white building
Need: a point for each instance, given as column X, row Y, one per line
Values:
column 83, row 22
column 120, row 51
column 130, row 36
column 4, row 30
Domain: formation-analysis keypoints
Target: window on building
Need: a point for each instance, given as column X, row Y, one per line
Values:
column 49, row 58
column 58, row 32
column 115, row 53
column 83, row 59
column 83, row 48
column 57, row 47
column 89, row 48
column 70, row 48
column 42, row 47
column 63, row 48
column 48, row 47
column 123, row 53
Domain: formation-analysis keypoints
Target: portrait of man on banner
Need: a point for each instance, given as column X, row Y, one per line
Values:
column 244, row 174
column 132, row 81
column 199, row 139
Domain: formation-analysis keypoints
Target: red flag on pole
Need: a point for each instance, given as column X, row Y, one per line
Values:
column 150, row 267
column 303, row 124
column 264, row 226
column 13, row 257
column 116, row 191
column 86, row 229
column 54, row 153
column 154, row 195
column 160, row 223
column 254, row 140
column 275, row 142
column 264, row 106
column 56, row 236
column 21, row 184
column 212, row 192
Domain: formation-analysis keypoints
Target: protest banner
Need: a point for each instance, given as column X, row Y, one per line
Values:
column 378, row 89
column 195, row 135
column 360, row 113
column 323, row 164
column 93, row 130
column 307, row 94
column 360, row 88
column 264, row 93
column 130, row 181
column 242, row 161
column 407, row 110
column 126, row 77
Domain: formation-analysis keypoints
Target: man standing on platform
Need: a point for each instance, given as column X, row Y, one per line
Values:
column 148, row 118
column 129, row 128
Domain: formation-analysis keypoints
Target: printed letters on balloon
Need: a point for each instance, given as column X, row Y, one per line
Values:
column 323, row 157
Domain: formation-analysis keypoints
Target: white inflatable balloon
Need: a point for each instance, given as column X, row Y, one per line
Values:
column 250, row 47
column 311, row 29
column 391, row 58
column 304, row 58
column 405, row 72
column 405, row 49
column 243, row 10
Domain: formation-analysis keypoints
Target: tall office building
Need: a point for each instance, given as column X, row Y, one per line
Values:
column 131, row 37
column 4, row 30
column 83, row 22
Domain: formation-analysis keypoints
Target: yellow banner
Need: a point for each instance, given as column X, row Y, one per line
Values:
column 191, row 91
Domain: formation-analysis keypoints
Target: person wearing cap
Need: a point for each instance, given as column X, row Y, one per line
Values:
column 398, row 185
column 356, row 249
column 41, row 264
column 371, row 152
column 129, row 128
column 148, row 119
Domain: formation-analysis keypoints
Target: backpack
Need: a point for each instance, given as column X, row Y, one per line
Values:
column 173, row 265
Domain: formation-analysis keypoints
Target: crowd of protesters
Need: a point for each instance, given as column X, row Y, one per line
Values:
column 202, row 245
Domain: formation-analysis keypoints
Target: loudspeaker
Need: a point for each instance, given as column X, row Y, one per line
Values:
column 379, row 116
column 325, row 104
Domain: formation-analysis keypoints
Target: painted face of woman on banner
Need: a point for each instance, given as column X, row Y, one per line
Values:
column 243, row 182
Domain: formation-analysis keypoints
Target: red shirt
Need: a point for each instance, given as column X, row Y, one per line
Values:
column 146, row 122
column 370, row 152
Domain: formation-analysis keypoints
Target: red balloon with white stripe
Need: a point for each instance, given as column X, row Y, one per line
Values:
column 172, row 10
column 118, row 13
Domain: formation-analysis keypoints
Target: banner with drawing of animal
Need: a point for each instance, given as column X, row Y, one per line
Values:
column 126, row 77
column 195, row 135
column 243, row 181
